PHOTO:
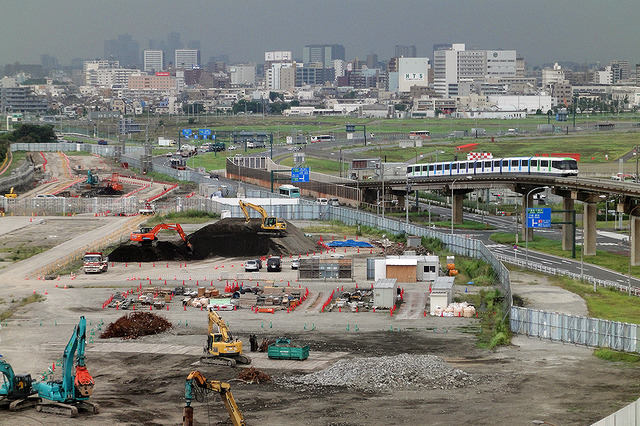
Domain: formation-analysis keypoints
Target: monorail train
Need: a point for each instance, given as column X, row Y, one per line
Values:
column 549, row 166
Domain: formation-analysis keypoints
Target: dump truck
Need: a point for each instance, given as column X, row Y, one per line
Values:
column 95, row 262
column 284, row 349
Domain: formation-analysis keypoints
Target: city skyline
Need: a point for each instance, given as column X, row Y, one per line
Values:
column 541, row 32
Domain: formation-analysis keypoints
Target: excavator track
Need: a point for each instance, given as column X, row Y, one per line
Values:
column 67, row 409
column 21, row 404
column 217, row 360
column 57, row 408
column 243, row 359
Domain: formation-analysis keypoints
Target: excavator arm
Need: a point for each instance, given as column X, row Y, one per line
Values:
column 215, row 319
column 268, row 223
column 196, row 380
column 150, row 235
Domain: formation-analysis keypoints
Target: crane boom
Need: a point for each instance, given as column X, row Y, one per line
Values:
column 195, row 379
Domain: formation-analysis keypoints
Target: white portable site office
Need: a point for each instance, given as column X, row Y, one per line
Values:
column 384, row 293
column 441, row 292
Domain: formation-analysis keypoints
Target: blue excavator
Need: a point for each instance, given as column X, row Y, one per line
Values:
column 72, row 392
column 15, row 390
column 92, row 180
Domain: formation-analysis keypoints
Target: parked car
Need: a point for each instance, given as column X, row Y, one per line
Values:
column 295, row 263
column 46, row 196
column 322, row 201
column 251, row 266
column 274, row 265
column 334, row 202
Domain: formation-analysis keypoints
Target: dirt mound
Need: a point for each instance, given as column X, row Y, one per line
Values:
column 232, row 237
column 136, row 324
column 160, row 250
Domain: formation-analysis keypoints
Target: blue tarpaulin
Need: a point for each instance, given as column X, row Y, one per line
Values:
column 349, row 243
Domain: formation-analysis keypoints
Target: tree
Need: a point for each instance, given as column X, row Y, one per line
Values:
column 193, row 108
column 400, row 107
column 35, row 132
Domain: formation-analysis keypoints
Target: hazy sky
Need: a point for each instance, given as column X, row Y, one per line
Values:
column 539, row 30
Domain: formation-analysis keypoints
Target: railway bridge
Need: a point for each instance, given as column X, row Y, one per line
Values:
column 587, row 190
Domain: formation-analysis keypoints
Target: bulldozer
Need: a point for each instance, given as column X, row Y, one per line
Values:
column 269, row 224
column 222, row 348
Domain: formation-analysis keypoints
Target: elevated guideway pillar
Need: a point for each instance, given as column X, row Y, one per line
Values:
column 634, row 243
column 568, row 204
column 458, row 198
column 589, row 224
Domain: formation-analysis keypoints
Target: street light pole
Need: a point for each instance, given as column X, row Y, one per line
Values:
column 526, row 224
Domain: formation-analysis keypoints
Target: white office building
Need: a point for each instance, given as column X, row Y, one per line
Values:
column 412, row 72
column 187, row 58
column 243, row 75
column 153, row 60
column 455, row 68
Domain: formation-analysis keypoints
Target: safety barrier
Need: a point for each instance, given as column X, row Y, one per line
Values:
column 578, row 330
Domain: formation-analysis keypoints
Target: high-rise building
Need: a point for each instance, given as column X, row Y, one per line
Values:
column 372, row 61
column 412, row 72
column 324, row 53
column 153, row 60
column 620, row 70
column 173, row 42
column 243, row 75
column 90, row 70
column 402, row 51
column 124, row 50
column 456, row 65
column 48, row 61
column 187, row 58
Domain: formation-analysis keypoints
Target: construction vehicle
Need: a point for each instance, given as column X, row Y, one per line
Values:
column 11, row 194
column 196, row 385
column 16, row 390
column 148, row 209
column 72, row 392
column 147, row 235
column 222, row 347
column 268, row 224
column 92, row 180
column 95, row 262
column 112, row 186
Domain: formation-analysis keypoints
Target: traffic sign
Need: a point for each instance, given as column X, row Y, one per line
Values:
column 204, row 133
column 539, row 217
column 187, row 133
column 300, row 174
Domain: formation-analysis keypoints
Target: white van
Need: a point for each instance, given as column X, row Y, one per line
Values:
column 322, row 201
column 334, row 202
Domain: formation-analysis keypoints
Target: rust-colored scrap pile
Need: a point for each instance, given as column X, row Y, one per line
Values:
column 136, row 324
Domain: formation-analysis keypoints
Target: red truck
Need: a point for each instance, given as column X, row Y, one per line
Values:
column 95, row 262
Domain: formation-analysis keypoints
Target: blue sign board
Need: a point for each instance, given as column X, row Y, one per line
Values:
column 539, row 217
column 204, row 133
column 300, row 174
column 187, row 133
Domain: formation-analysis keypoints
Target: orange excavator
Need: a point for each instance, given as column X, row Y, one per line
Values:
column 147, row 235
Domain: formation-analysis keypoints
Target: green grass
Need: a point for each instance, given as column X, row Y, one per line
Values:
column 466, row 224
column 613, row 261
column 188, row 216
column 33, row 298
column 605, row 303
column 21, row 252
column 614, row 356
column 317, row 165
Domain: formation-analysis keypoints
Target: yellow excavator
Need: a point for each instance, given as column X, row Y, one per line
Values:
column 269, row 224
column 11, row 194
column 222, row 347
column 198, row 384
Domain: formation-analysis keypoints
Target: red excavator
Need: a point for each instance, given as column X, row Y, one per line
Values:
column 149, row 235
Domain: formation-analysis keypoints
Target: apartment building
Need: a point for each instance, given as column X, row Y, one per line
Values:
column 187, row 58
column 324, row 53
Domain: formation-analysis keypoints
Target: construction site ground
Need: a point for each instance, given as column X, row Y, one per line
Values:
column 142, row 381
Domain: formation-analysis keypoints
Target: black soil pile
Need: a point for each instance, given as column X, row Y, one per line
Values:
column 158, row 251
column 233, row 237
column 230, row 237
column 136, row 324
